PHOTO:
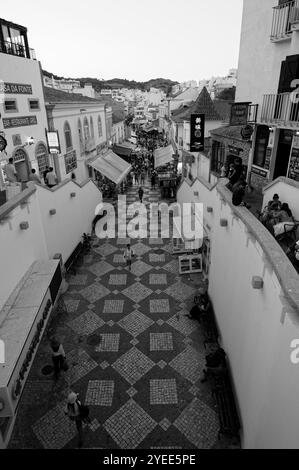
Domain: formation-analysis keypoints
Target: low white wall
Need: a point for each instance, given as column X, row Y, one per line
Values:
column 256, row 326
column 63, row 231
column 19, row 248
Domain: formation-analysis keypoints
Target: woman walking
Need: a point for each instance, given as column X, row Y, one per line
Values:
column 58, row 357
column 72, row 410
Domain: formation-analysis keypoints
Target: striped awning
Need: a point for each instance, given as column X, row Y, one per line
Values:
column 111, row 166
column 163, row 155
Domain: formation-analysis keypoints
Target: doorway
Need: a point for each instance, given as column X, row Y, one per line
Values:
column 283, row 153
column 21, row 163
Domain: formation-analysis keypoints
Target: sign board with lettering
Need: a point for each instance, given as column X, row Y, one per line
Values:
column 268, row 158
column 15, row 88
column 239, row 114
column 53, row 141
column 293, row 172
column 197, row 132
column 260, row 172
column 19, row 121
column 234, row 150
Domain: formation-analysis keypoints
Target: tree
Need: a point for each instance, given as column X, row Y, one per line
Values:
column 228, row 94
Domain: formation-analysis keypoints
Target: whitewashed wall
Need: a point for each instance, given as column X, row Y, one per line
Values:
column 256, row 326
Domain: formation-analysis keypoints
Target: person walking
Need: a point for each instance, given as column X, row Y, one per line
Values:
column 128, row 255
column 34, row 177
column 140, row 194
column 77, row 413
column 45, row 174
column 51, row 178
column 10, row 171
column 58, row 357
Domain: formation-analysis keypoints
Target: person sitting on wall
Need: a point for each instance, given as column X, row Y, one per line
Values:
column 239, row 193
column 275, row 202
column 286, row 220
column 201, row 305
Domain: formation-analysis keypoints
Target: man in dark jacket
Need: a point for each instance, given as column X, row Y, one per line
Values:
column 140, row 194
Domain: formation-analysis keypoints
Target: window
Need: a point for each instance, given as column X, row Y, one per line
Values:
column 70, row 161
column 68, row 136
column 34, row 105
column 100, row 126
column 10, row 106
column 42, row 157
column 261, row 144
column 86, row 129
column 91, row 128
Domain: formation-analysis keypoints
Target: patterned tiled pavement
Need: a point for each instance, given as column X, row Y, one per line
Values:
column 135, row 358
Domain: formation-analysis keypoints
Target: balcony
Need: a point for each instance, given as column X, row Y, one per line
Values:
column 282, row 109
column 281, row 24
column 17, row 50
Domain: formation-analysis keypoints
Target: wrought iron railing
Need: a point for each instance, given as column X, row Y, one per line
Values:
column 282, row 107
column 16, row 50
column 282, row 20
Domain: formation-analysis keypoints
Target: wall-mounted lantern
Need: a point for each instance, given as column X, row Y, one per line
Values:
column 209, row 209
column 73, row 194
column 52, row 211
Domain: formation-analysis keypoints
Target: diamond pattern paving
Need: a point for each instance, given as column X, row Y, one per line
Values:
column 135, row 364
column 139, row 268
column 130, row 425
column 163, row 392
column 137, row 292
column 135, row 323
column 94, row 292
column 100, row 393
column 86, row 323
column 190, row 422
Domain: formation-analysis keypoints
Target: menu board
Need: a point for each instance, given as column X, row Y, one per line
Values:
column 294, row 165
column 268, row 158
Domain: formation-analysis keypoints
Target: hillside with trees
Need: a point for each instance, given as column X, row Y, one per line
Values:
column 98, row 85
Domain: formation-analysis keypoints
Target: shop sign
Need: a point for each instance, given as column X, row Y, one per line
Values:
column 17, row 387
column 15, row 88
column 70, row 160
column 293, row 172
column 234, row 150
column 197, row 132
column 19, row 121
column 259, row 172
column 239, row 114
column 3, row 143
column 53, row 141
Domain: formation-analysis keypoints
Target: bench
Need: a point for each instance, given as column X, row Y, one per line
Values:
column 71, row 261
column 227, row 411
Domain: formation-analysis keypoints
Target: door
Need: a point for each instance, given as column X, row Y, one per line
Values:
column 22, row 171
column 283, row 153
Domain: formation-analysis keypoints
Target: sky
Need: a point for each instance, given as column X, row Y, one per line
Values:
column 132, row 39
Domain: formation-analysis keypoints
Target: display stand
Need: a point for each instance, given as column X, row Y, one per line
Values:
column 190, row 264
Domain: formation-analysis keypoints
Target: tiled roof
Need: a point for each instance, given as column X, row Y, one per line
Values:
column 57, row 96
column 203, row 105
column 230, row 132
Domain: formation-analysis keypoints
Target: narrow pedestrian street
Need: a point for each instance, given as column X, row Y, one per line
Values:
column 134, row 357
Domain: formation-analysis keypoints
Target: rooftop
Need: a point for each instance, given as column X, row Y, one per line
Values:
column 203, row 105
column 57, row 96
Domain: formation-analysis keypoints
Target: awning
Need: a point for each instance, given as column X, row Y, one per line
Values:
column 122, row 150
column 112, row 166
column 163, row 155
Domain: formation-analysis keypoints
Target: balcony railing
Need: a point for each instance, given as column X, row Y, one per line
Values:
column 280, row 108
column 16, row 50
column 282, row 20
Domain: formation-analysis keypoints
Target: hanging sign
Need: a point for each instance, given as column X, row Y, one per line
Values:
column 239, row 114
column 53, row 141
column 197, row 132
